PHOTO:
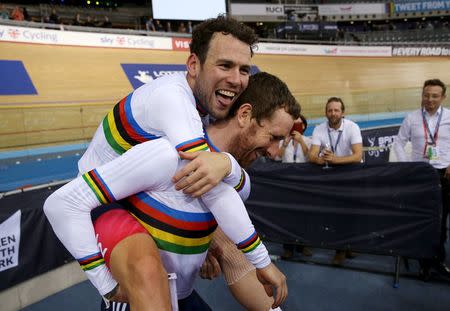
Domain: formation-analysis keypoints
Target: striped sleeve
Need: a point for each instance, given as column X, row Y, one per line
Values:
column 98, row 187
column 238, row 178
column 197, row 144
column 232, row 217
column 91, row 261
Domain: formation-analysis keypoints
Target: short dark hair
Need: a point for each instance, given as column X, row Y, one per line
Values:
column 335, row 99
column 305, row 123
column 266, row 93
column 435, row 82
column 203, row 32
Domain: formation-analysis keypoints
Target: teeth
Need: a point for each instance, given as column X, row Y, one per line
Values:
column 226, row 93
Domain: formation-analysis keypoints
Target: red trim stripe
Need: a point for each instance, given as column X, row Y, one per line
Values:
column 180, row 224
column 99, row 184
column 128, row 128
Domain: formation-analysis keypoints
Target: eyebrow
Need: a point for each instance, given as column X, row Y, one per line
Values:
column 228, row 61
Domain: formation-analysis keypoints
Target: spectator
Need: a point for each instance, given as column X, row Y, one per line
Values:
column 182, row 28
column 4, row 14
column 149, row 25
column 106, row 22
column 77, row 20
column 54, row 18
column 89, row 22
column 189, row 27
column 428, row 130
column 26, row 16
column 158, row 26
column 337, row 141
column 295, row 149
column 168, row 27
column 17, row 14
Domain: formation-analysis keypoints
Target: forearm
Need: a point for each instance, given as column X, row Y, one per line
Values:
column 354, row 158
column 233, row 219
column 238, row 178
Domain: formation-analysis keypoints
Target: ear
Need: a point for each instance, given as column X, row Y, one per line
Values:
column 193, row 65
column 244, row 114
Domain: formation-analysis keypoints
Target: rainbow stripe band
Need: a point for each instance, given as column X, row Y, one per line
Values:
column 121, row 129
column 173, row 230
column 92, row 261
column 98, row 186
column 197, row 144
column 250, row 243
column 241, row 183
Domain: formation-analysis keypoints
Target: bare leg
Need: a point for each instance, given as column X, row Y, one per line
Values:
column 135, row 263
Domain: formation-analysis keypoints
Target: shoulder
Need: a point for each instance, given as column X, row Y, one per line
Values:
column 320, row 129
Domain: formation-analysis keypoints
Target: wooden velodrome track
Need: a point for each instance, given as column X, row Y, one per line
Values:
column 77, row 85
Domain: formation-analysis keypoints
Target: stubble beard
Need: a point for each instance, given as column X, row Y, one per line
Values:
column 238, row 148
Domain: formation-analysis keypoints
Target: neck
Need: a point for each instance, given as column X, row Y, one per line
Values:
column 431, row 112
column 222, row 134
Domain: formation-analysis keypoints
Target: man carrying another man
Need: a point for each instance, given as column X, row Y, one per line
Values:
column 178, row 107
column 178, row 224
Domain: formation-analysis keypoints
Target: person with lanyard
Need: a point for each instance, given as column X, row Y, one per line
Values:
column 428, row 130
column 295, row 149
column 337, row 141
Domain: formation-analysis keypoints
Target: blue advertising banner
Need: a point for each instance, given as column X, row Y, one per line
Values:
column 139, row 74
column 14, row 79
column 407, row 6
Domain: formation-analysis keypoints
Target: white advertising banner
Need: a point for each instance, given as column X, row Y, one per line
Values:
column 257, row 9
column 353, row 9
column 323, row 50
column 10, row 242
column 46, row 36
column 421, row 51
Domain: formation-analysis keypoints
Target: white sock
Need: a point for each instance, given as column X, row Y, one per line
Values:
column 277, row 309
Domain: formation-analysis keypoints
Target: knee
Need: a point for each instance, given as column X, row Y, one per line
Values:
column 146, row 271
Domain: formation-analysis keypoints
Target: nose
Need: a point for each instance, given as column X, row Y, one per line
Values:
column 272, row 150
column 234, row 77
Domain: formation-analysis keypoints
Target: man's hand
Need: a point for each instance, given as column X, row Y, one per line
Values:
column 210, row 268
column 204, row 172
column 272, row 278
column 296, row 136
column 328, row 156
column 119, row 295
column 447, row 172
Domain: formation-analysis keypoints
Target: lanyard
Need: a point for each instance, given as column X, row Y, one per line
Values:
column 295, row 151
column 333, row 148
column 426, row 128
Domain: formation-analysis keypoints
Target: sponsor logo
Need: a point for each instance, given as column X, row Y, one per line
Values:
column 274, row 9
column 107, row 40
column 139, row 74
column 14, row 33
column 345, row 8
column 421, row 51
column 378, row 145
column 140, row 42
column 180, row 44
column 40, row 36
column 1, row 33
column 120, row 40
column 10, row 242
column 330, row 51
